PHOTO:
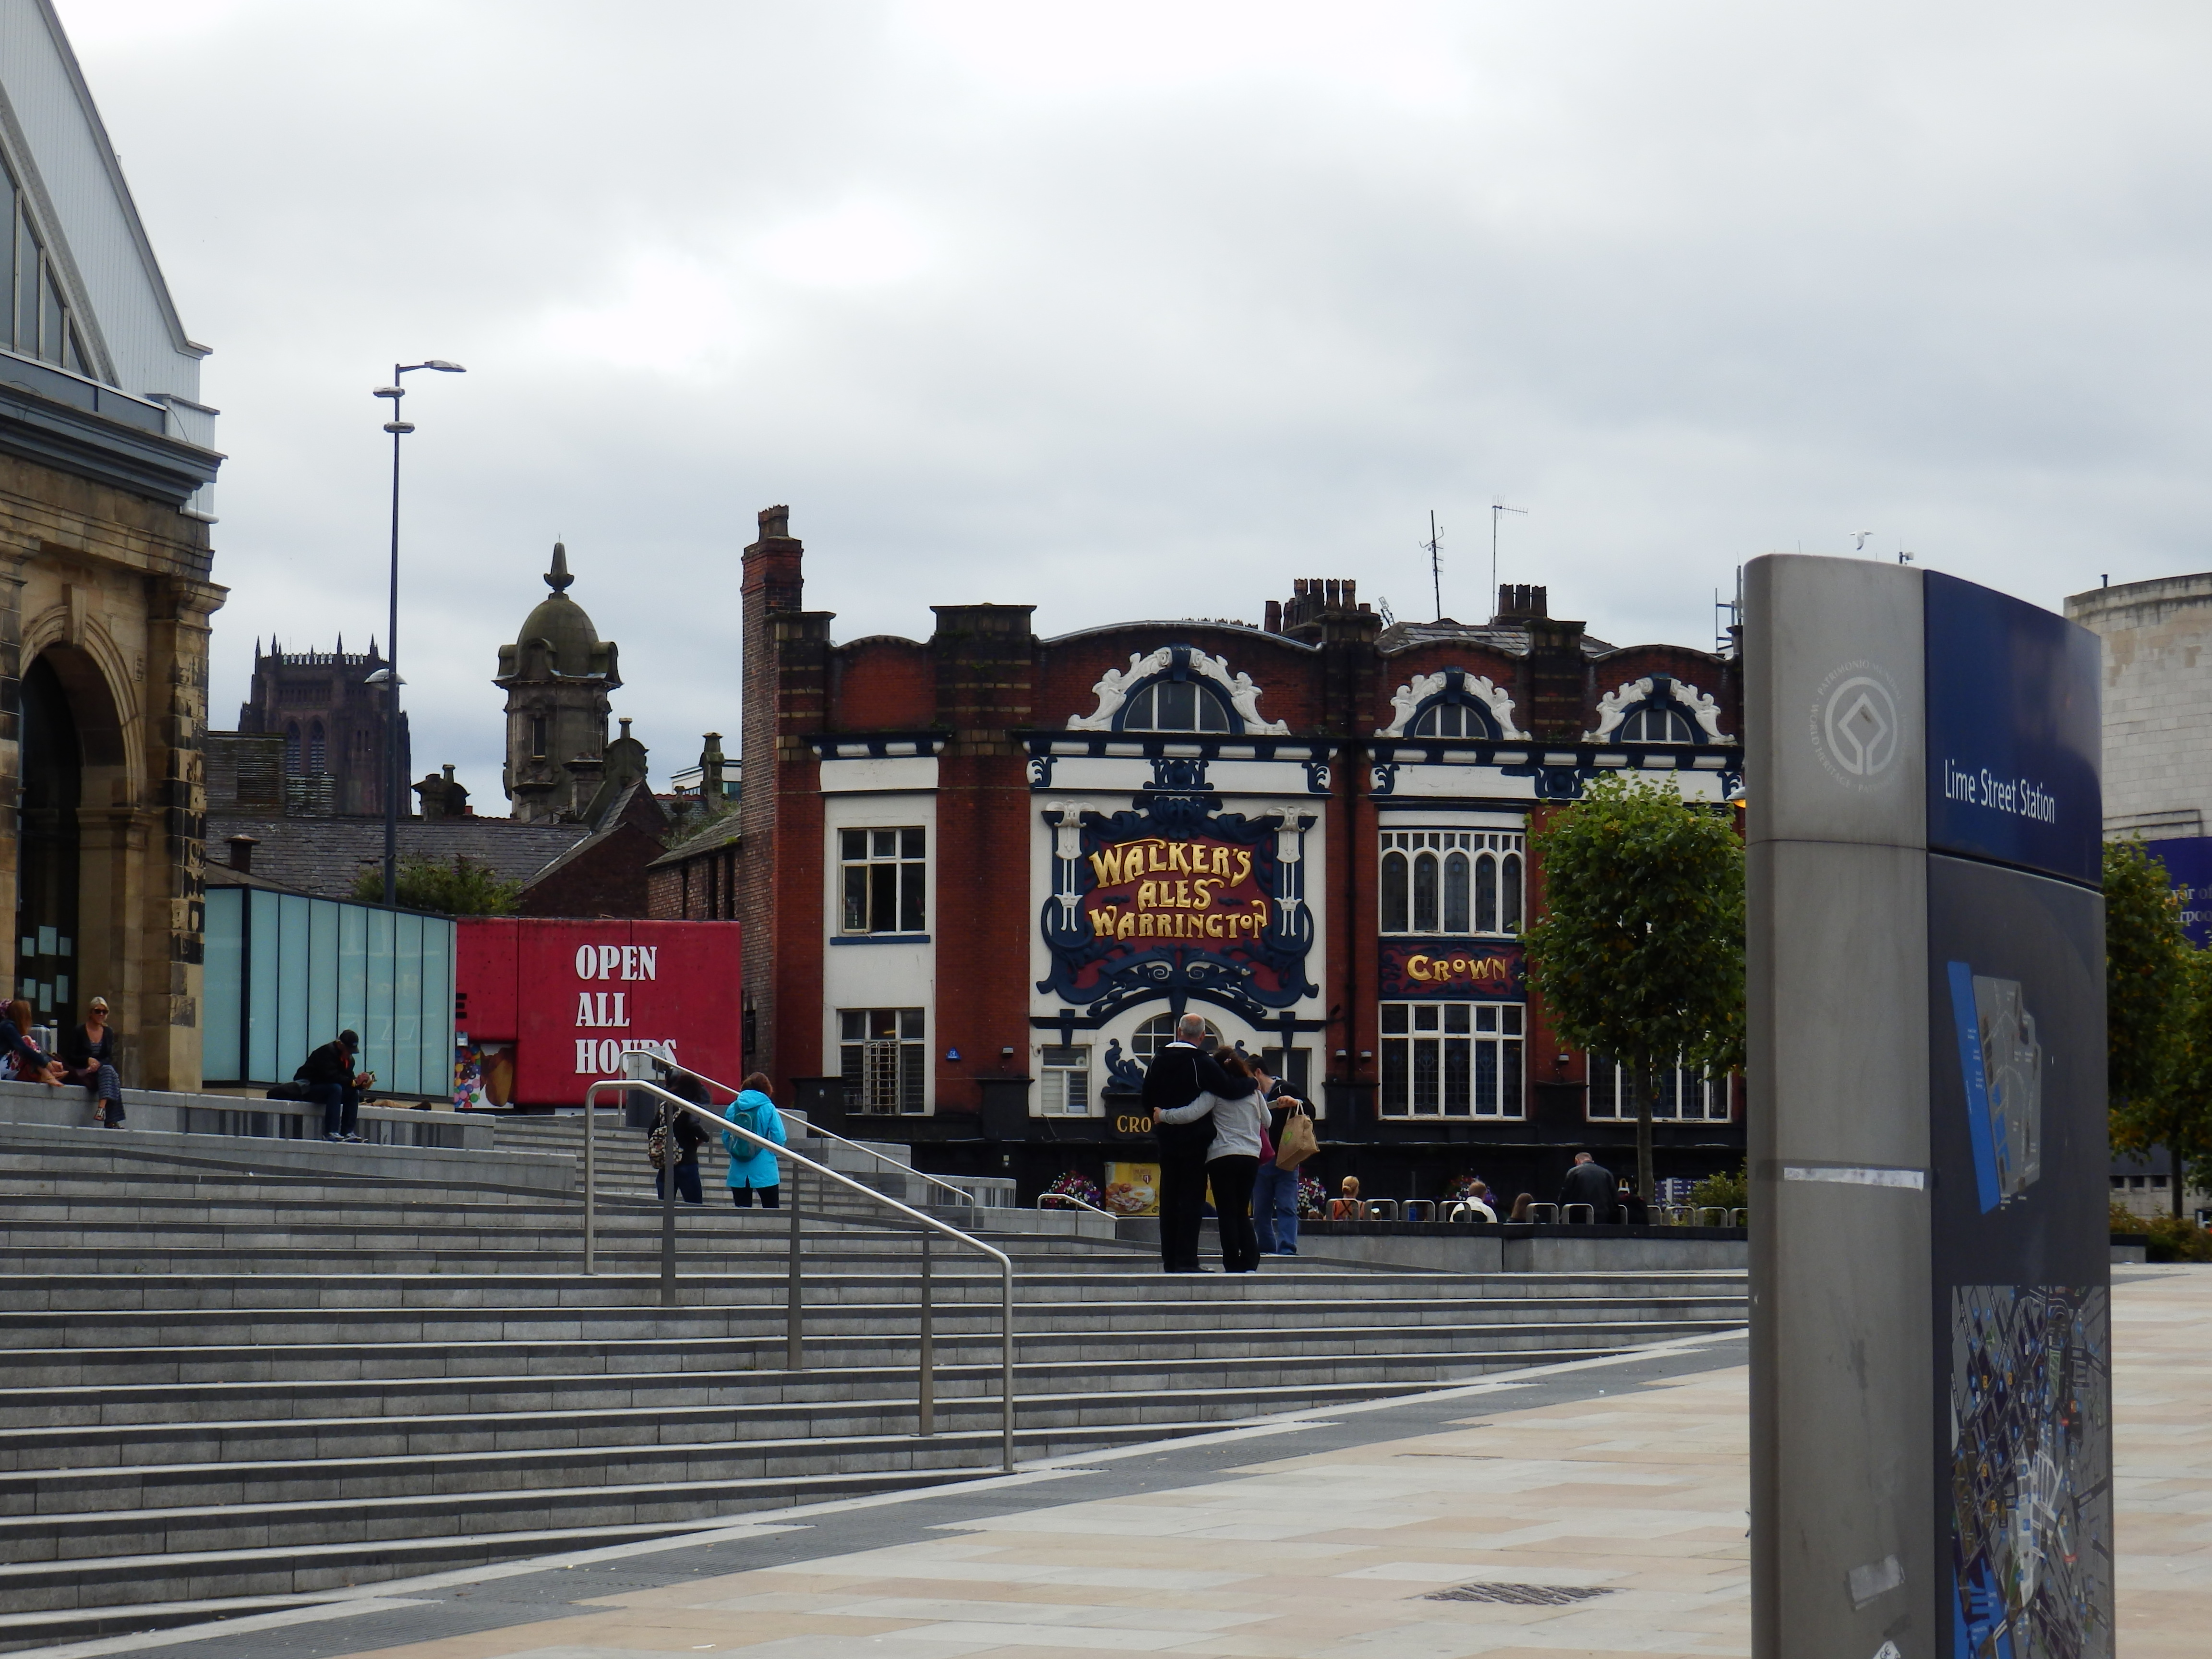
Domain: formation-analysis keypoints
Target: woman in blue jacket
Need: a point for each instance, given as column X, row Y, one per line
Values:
column 753, row 1169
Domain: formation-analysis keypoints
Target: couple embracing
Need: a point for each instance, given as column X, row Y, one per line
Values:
column 1210, row 1116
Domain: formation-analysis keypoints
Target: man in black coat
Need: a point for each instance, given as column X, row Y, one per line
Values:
column 1589, row 1182
column 333, row 1086
column 1179, row 1073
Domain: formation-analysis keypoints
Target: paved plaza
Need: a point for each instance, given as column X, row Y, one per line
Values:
column 1592, row 1509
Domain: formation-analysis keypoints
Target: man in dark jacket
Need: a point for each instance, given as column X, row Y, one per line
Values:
column 1589, row 1182
column 1180, row 1073
column 331, row 1084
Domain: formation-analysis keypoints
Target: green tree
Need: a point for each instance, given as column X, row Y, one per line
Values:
column 2158, row 1001
column 462, row 888
column 1639, row 953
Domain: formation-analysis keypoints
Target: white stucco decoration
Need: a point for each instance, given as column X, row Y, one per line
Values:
column 1114, row 690
column 1612, row 708
column 1408, row 698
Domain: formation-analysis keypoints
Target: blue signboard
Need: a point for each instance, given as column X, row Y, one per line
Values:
column 2188, row 861
column 2014, row 739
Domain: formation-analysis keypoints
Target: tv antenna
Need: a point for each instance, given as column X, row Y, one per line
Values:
column 1497, row 507
column 1435, row 546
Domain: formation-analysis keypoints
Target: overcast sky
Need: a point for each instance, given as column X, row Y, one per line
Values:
column 1142, row 309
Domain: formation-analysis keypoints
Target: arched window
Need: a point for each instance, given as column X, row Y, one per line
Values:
column 1455, row 892
column 1454, row 719
column 1175, row 706
column 1450, row 881
column 317, row 750
column 292, row 748
column 1657, row 722
column 1396, row 918
column 1425, row 892
column 1156, row 1033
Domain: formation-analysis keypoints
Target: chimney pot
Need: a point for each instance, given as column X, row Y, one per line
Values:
column 774, row 523
column 241, row 852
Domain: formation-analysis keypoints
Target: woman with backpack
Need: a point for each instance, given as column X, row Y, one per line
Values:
column 753, row 1169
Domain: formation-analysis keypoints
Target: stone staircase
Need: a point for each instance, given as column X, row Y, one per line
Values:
column 229, row 1387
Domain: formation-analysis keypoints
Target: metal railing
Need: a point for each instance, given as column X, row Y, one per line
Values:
column 794, row 1306
column 1044, row 1199
column 814, row 1128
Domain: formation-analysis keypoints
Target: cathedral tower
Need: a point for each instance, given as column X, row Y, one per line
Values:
column 556, row 676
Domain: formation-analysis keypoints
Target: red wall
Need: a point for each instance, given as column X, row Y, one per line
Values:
column 671, row 985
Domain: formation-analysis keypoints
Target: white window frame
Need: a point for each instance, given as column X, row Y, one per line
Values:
column 908, row 868
column 908, row 1053
column 1435, row 847
column 1499, row 1029
column 1056, row 1066
column 1608, row 1085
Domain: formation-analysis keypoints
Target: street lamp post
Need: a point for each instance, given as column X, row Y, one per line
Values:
column 390, row 673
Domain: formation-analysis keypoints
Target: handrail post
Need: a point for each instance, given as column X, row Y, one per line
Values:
column 667, row 1174
column 591, row 1188
column 928, row 1364
column 794, row 1314
column 1006, row 1366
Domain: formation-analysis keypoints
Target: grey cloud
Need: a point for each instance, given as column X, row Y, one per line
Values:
column 1689, row 283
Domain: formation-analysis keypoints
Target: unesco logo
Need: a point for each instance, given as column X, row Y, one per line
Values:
column 1855, row 724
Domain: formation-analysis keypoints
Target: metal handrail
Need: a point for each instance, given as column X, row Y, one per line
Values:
column 793, row 1308
column 1070, row 1198
column 814, row 1128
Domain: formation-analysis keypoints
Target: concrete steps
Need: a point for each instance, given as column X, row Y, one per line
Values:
column 224, row 1385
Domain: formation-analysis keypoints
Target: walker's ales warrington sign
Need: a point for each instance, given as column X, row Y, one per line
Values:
column 1176, row 901
column 1931, row 1395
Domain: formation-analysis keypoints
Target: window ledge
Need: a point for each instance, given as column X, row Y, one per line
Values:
column 879, row 938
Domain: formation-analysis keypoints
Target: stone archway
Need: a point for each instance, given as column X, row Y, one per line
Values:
column 70, row 893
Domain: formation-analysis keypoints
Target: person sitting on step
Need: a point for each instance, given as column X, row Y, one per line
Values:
column 21, row 1058
column 332, row 1084
column 1346, row 1205
column 88, row 1058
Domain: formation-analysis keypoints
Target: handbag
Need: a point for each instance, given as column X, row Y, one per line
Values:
column 1299, row 1142
column 656, row 1148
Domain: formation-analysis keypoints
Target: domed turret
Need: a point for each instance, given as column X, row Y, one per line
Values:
column 556, row 676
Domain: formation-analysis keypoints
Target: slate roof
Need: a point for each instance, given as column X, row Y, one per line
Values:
column 718, row 833
column 323, row 856
column 1509, row 637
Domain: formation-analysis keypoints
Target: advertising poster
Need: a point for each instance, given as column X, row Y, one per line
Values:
column 1133, row 1188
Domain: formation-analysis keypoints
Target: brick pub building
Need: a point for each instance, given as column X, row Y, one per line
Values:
column 980, row 874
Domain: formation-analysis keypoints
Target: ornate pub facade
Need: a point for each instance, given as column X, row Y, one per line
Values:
column 982, row 873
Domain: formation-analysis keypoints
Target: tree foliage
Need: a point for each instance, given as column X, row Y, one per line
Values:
column 1639, row 953
column 2158, row 1020
column 461, row 888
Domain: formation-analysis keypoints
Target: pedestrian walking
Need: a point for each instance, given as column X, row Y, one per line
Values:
column 753, row 1169
column 680, row 1134
column 1589, row 1182
column 1179, row 1074
column 1275, row 1191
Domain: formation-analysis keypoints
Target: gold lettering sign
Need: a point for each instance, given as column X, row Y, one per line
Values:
column 1472, row 970
column 1191, row 892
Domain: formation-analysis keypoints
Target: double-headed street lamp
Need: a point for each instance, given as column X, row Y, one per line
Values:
column 388, row 675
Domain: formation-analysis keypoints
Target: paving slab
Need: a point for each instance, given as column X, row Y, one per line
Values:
column 1589, row 1508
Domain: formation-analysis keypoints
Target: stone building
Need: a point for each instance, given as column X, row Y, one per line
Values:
column 556, row 676
column 980, row 874
column 331, row 722
column 106, row 464
column 2157, row 641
